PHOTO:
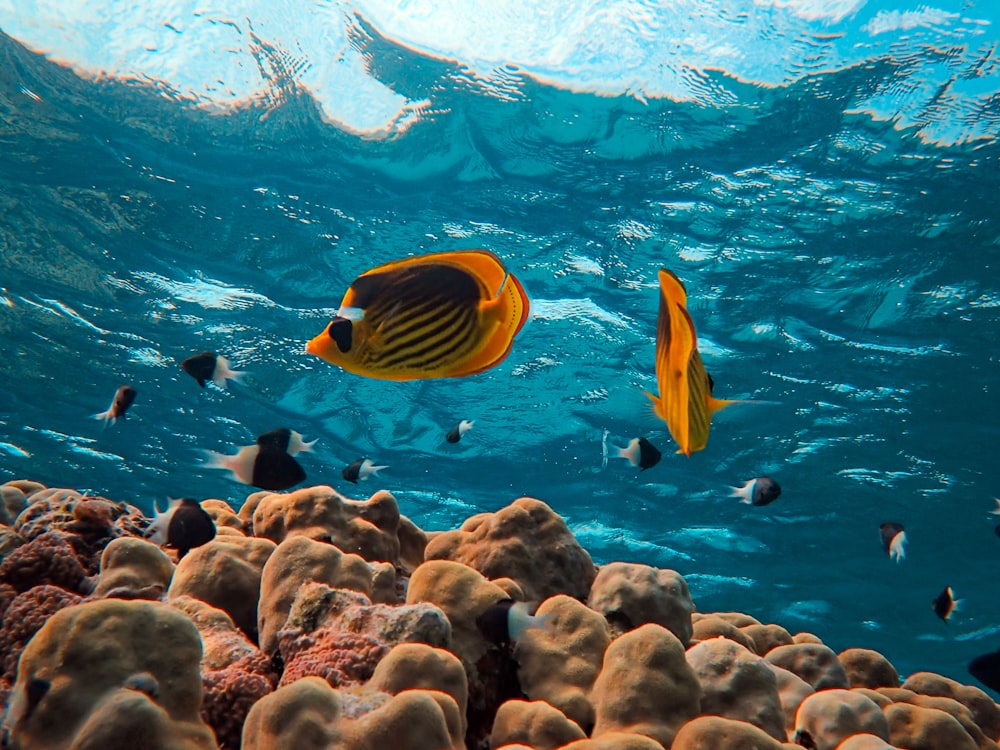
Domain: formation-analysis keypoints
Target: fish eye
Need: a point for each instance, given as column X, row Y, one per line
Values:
column 340, row 331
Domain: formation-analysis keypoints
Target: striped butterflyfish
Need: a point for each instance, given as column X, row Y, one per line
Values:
column 441, row 315
column 685, row 400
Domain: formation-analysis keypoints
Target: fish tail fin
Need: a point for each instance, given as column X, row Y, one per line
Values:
column 107, row 416
column 308, row 446
column 519, row 620
column 224, row 372
column 215, row 460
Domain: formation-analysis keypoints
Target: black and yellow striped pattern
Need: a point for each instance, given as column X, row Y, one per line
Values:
column 441, row 315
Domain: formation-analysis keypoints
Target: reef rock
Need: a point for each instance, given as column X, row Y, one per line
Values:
column 737, row 684
column 95, row 672
column 559, row 662
column 534, row 724
column 368, row 528
column 225, row 573
column 527, row 542
column 630, row 594
column 828, row 717
column 299, row 560
column 645, row 686
column 133, row 568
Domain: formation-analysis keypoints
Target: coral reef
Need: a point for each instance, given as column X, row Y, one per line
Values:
column 527, row 542
column 371, row 635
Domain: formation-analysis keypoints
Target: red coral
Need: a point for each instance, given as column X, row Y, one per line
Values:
column 46, row 559
column 25, row 617
column 339, row 658
column 229, row 694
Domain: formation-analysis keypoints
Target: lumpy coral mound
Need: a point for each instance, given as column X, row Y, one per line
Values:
column 318, row 621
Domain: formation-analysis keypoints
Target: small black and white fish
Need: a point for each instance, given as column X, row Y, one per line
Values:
column 986, row 669
column 757, row 491
column 996, row 510
column 285, row 439
column 267, row 467
column 639, row 452
column 123, row 399
column 456, row 432
column 945, row 604
column 506, row 621
column 360, row 470
column 893, row 538
column 210, row 366
column 183, row 526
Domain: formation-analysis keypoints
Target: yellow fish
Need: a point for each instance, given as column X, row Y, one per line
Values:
column 685, row 402
column 442, row 315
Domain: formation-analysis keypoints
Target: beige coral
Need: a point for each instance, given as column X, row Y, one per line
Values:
column 645, row 686
column 868, row 668
column 920, row 728
column 225, row 573
column 560, row 662
column 132, row 566
column 87, row 651
column 632, row 594
column 738, row 684
column 368, row 528
column 985, row 712
column 720, row 733
column 526, row 541
column 299, row 560
column 830, row 716
column 534, row 724
column 815, row 663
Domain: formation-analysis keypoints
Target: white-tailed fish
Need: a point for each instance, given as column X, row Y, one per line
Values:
column 639, row 452
column 285, row 439
column 758, row 491
column 267, row 467
column 361, row 470
column 506, row 621
column 945, row 604
column 209, row 366
column 893, row 538
column 123, row 399
column 456, row 432
column 183, row 526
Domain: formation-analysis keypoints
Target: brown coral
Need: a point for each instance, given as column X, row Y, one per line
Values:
column 631, row 594
column 534, row 724
column 830, row 716
column 646, row 686
column 46, row 559
column 25, row 616
column 813, row 662
column 984, row 711
column 87, row 652
column 225, row 573
column 560, row 661
column 298, row 560
column 720, row 733
column 229, row 695
column 867, row 668
column 738, row 684
column 526, row 541
column 368, row 528
column 133, row 568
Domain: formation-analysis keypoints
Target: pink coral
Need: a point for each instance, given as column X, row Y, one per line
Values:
column 339, row 658
column 46, row 559
column 25, row 617
column 229, row 694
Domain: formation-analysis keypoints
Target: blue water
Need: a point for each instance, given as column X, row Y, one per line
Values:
column 822, row 175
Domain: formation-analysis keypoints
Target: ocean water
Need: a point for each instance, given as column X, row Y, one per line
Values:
column 822, row 174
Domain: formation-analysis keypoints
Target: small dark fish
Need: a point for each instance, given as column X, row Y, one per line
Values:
column 210, row 366
column 456, row 432
column 285, row 439
column 758, row 491
column 267, row 467
column 893, row 538
column 360, row 470
column 945, row 604
column 184, row 525
column 986, row 669
column 506, row 621
column 123, row 399
column 640, row 452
